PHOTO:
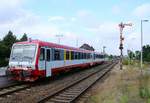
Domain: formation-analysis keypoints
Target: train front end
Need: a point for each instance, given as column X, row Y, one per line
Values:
column 22, row 63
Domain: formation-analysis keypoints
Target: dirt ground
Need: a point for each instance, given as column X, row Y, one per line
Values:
column 121, row 86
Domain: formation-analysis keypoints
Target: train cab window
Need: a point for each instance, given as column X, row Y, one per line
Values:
column 67, row 55
column 42, row 54
column 56, row 55
column 48, row 55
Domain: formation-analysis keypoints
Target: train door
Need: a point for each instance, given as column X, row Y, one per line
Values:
column 42, row 61
column 48, row 60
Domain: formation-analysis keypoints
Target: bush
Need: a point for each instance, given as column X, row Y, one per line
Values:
column 125, row 62
column 144, row 92
column 3, row 63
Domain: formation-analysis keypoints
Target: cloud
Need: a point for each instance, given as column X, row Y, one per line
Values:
column 83, row 25
column 10, row 3
column 116, row 9
column 73, row 19
column 10, row 10
column 56, row 18
column 142, row 11
column 83, row 13
column 105, row 28
column 105, row 34
column 15, row 18
column 18, row 23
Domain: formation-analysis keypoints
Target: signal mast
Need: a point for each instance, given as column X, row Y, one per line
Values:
column 122, row 26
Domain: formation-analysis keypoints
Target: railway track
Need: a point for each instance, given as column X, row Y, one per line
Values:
column 8, row 90
column 10, row 85
column 39, row 92
column 71, row 92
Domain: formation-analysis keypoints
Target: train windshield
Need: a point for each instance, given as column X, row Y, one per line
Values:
column 23, row 53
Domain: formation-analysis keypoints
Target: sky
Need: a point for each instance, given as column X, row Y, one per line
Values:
column 94, row 22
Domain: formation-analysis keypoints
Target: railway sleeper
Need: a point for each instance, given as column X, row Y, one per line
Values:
column 69, row 93
column 58, row 101
column 77, row 89
column 66, row 95
column 73, row 92
column 63, row 98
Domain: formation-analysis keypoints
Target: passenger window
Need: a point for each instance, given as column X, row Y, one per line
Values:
column 67, row 55
column 42, row 54
column 56, row 55
column 48, row 55
column 79, row 55
column 72, row 55
column 76, row 55
column 82, row 55
column 88, row 55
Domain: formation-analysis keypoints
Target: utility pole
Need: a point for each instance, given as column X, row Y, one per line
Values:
column 121, row 26
column 104, row 51
column 77, row 42
column 59, row 37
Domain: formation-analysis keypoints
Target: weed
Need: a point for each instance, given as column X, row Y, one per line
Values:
column 124, row 99
column 144, row 92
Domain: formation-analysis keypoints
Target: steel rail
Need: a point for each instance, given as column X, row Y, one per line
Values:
column 45, row 99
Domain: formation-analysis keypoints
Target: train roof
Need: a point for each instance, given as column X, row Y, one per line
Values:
column 54, row 45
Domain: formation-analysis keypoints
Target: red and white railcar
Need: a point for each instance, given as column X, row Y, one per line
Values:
column 36, row 59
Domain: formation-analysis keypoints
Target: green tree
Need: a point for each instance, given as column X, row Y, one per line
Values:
column 137, row 55
column 131, row 54
column 148, row 57
column 24, row 37
column 9, row 39
column 5, row 48
column 4, row 55
column 146, row 53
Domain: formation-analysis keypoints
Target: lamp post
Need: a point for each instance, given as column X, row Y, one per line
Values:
column 142, row 43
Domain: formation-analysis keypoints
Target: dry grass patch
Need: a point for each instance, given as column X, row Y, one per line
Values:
column 122, row 86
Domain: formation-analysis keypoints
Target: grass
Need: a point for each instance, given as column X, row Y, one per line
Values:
column 124, row 86
column 124, row 99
